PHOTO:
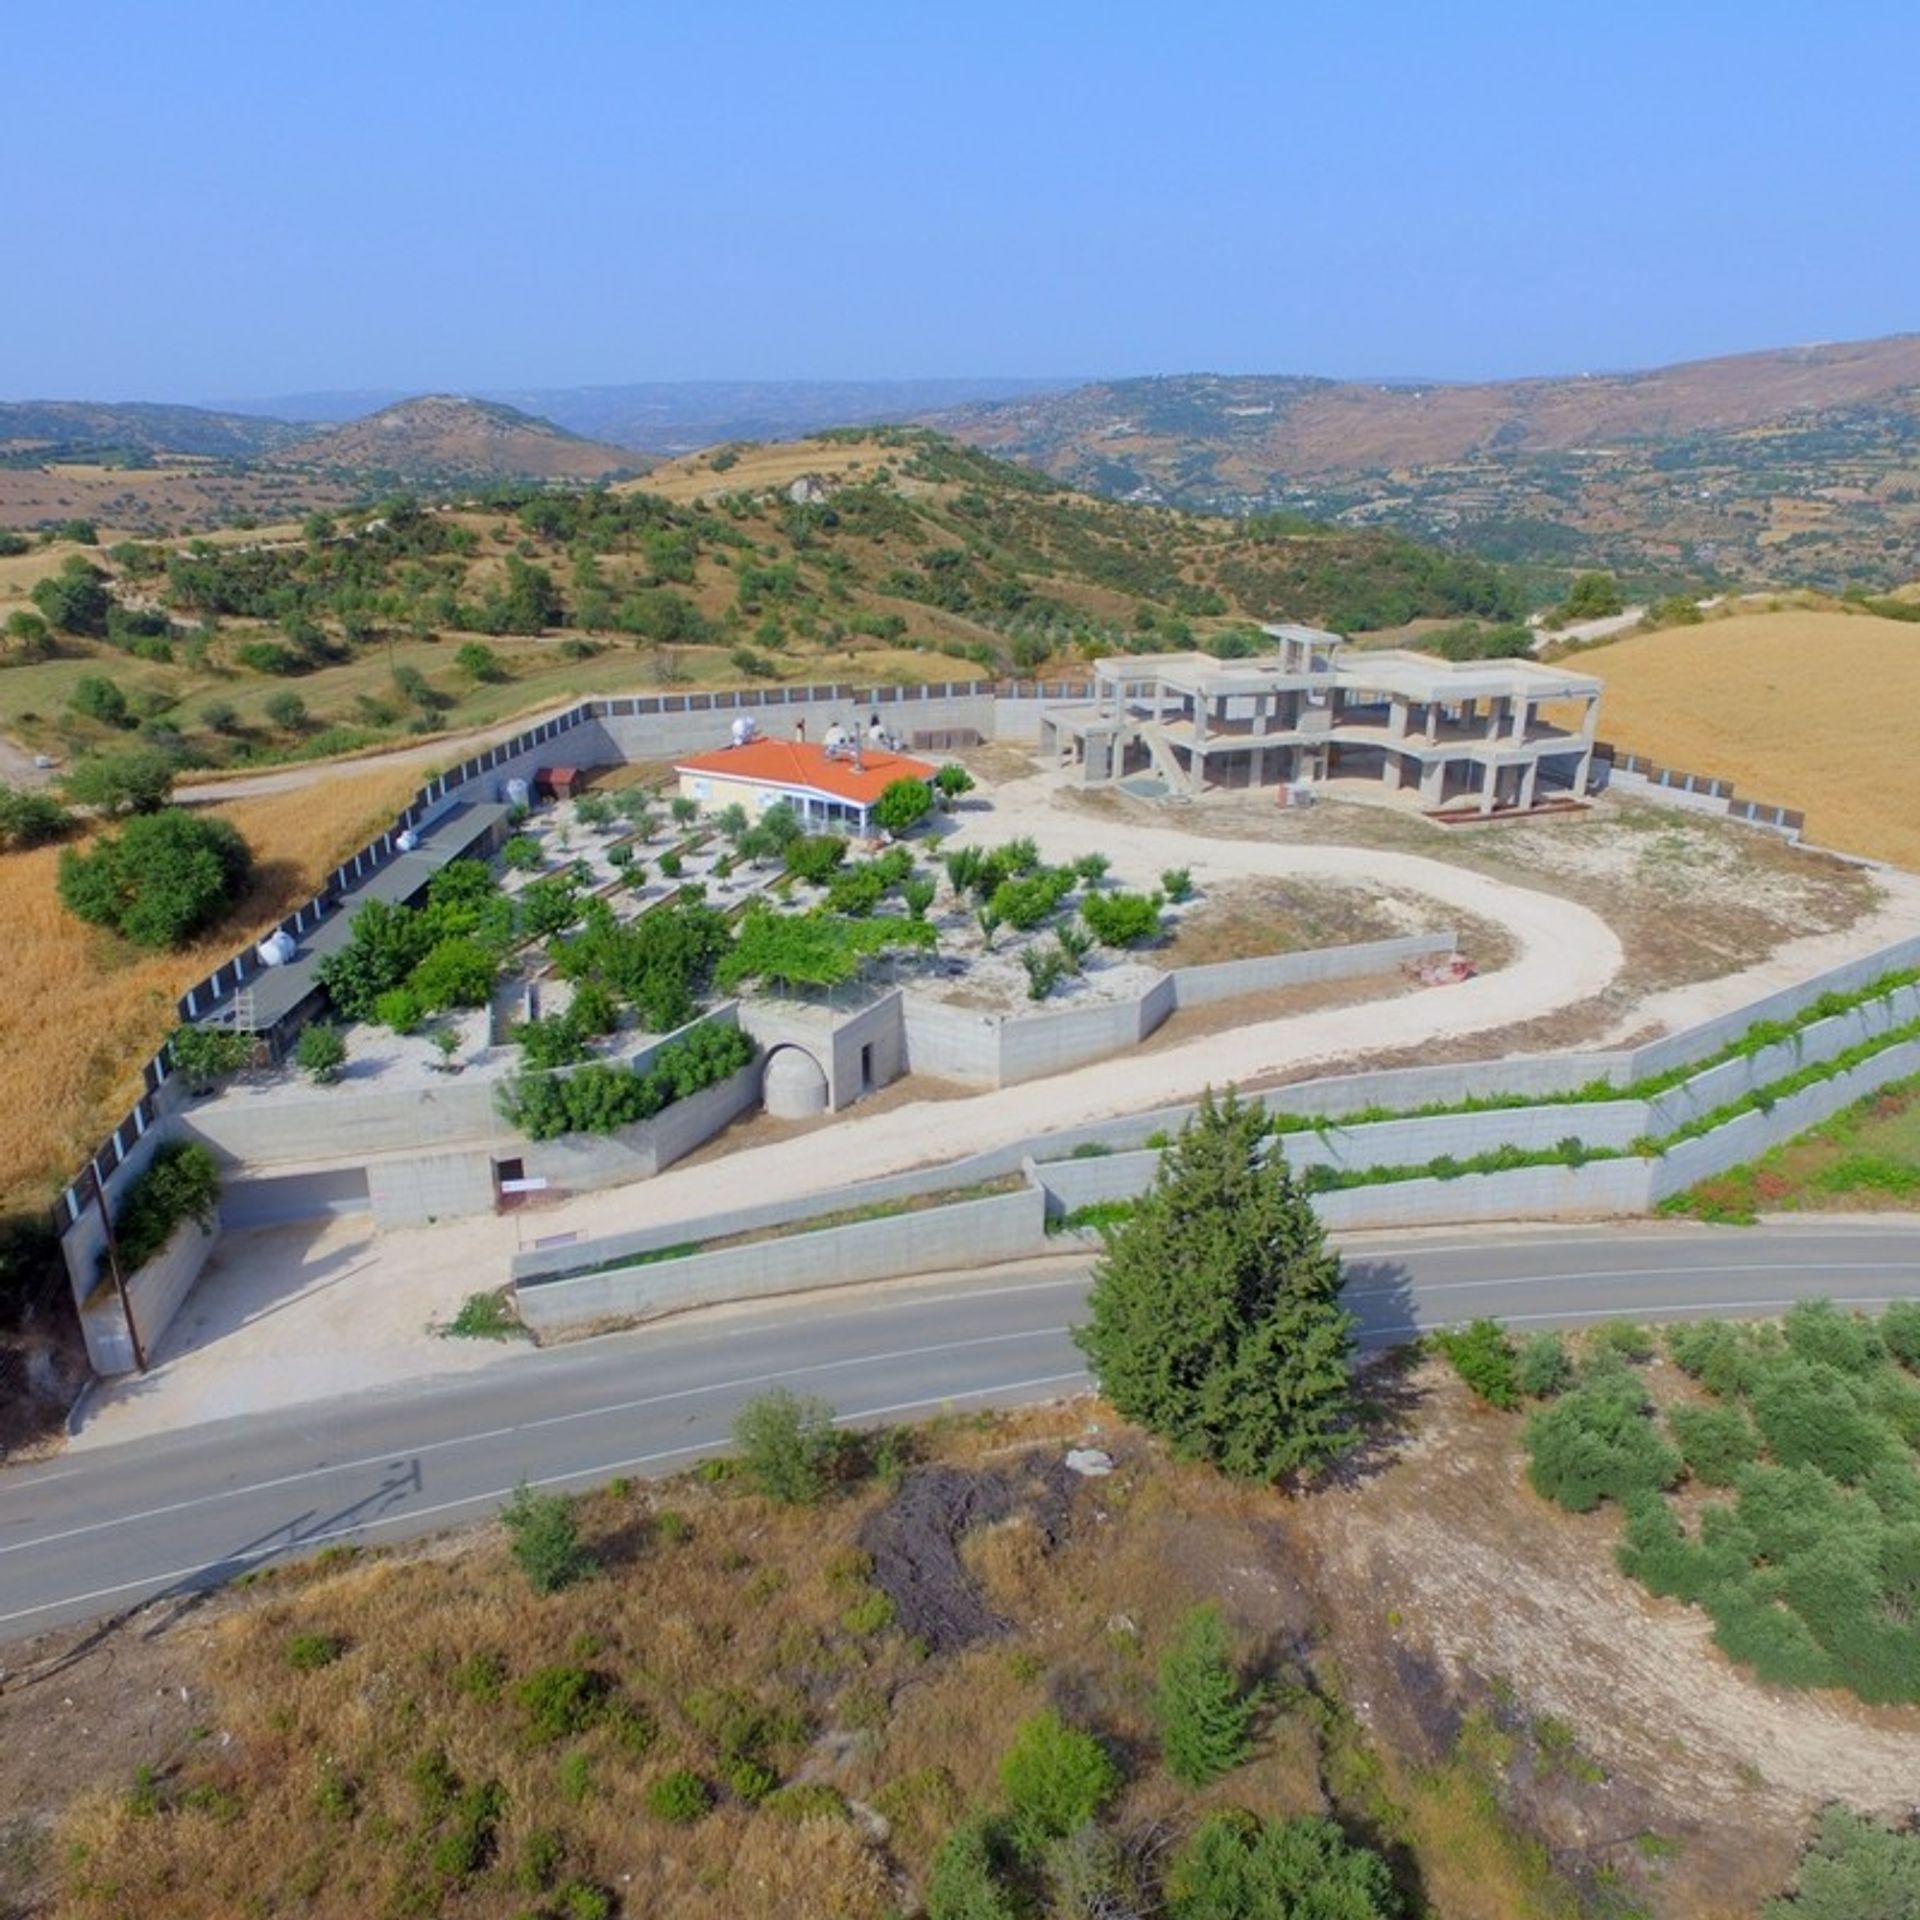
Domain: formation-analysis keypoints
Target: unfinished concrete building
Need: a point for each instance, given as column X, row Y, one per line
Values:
column 1470, row 736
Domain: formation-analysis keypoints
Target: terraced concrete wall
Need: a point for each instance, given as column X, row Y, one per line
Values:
column 967, row 1233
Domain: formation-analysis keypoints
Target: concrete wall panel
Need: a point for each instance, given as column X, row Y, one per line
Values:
column 155, row 1294
column 970, row 1232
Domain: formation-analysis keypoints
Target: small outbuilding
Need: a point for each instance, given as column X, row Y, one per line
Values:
column 558, row 783
column 832, row 785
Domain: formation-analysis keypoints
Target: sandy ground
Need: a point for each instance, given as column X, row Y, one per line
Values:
column 309, row 1312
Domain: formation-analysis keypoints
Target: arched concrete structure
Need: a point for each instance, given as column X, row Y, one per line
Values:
column 794, row 1086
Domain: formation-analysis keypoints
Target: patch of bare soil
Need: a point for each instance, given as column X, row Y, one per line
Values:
column 1445, row 1579
column 1690, row 897
column 915, row 1543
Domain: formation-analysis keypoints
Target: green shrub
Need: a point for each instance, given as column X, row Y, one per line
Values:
column 1627, row 1338
column 599, row 1098
column 1598, row 1442
column 814, row 856
column 1856, row 1869
column 31, row 819
column 1900, row 1329
column 1715, row 1442
column 482, row 1676
column 181, row 1182
column 546, row 1545
column 561, row 1701
column 1121, row 919
column 1541, row 1367
column 680, row 1797
column 1817, row 1330
column 805, row 1800
column 1055, row 1779
column 208, row 1055
column 1812, row 1414
column 789, row 1446
column 160, row 880
column 1240, row 1867
column 1484, row 1358
column 320, row 1053
column 749, row 1781
column 308, row 1652
column 399, row 1009
column 1205, row 1719
column 964, row 1882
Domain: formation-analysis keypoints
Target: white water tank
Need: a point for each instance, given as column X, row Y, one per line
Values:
column 745, row 731
column 276, row 949
column 406, row 840
column 516, row 792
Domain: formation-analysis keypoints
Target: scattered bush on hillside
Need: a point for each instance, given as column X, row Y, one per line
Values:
column 1204, row 1715
column 965, row 1882
column 1238, row 1865
column 1056, row 1779
column 1811, row 1573
column 1484, row 1358
column 789, row 1446
column 136, row 780
column 1598, row 1442
column 94, row 697
column 1856, row 1869
column 1715, row 1442
column 543, row 1530
column 1541, row 1367
column 30, row 819
column 181, row 1182
column 161, row 879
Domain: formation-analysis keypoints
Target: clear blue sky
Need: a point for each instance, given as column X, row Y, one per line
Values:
column 220, row 198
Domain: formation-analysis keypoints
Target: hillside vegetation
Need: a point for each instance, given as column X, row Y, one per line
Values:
column 1800, row 465
column 908, row 558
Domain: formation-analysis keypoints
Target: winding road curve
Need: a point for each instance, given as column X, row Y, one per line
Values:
column 101, row 1533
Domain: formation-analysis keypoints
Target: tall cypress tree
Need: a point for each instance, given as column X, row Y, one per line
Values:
column 1216, row 1310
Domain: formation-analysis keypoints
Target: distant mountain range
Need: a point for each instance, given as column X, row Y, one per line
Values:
column 1802, row 463
column 672, row 417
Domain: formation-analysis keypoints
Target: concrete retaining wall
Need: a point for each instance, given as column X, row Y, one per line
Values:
column 1202, row 986
column 1035, row 1045
column 86, row 1239
column 1605, row 1190
column 1754, row 1133
column 155, row 1294
column 970, row 1232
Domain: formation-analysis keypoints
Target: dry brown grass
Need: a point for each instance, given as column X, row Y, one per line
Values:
column 81, row 1011
column 753, row 1599
column 1802, row 709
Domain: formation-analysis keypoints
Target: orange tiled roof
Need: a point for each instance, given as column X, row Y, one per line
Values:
column 805, row 767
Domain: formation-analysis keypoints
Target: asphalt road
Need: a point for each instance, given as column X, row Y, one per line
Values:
column 99, row 1533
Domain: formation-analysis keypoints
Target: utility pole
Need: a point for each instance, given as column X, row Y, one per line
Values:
column 113, row 1266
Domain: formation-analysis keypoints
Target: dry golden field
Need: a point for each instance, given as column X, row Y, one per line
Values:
column 1803, row 709
column 81, row 1011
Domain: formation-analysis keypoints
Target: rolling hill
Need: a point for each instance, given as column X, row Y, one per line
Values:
column 36, row 431
column 1801, row 464
column 442, row 437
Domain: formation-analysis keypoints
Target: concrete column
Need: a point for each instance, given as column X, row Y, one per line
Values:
column 1433, row 777
column 1433, row 723
column 1389, row 770
column 1529, row 778
column 1582, row 774
column 1522, row 715
column 1397, row 719
column 1489, row 787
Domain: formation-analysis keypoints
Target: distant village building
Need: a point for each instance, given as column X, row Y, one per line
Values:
column 1488, row 736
